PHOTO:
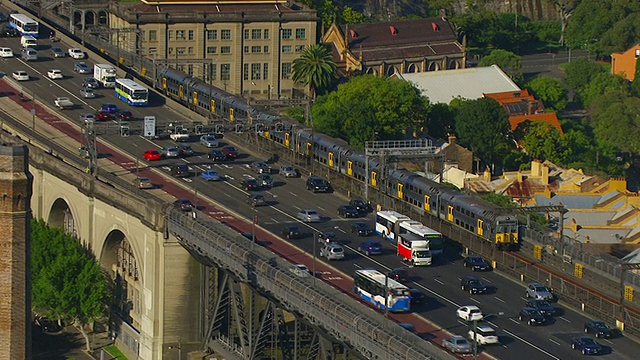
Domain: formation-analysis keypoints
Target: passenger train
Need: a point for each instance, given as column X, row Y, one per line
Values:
column 469, row 212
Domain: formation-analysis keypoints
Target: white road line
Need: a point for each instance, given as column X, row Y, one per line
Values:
column 514, row 320
column 339, row 229
column 494, row 325
column 567, row 320
column 523, row 298
column 555, row 342
column 438, row 281
column 530, row 344
column 274, row 220
column 294, row 194
column 475, row 301
column 497, row 298
column 321, row 208
column 606, row 341
column 486, row 280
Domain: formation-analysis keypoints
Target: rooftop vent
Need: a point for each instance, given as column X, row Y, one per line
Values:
column 435, row 27
column 353, row 33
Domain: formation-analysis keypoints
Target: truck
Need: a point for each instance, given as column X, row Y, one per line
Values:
column 180, row 135
column 63, row 103
column 414, row 249
column 105, row 74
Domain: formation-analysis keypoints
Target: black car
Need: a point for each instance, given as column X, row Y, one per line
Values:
column 476, row 263
column 257, row 200
column 417, row 297
column 216, row 155
column 8, row 31
column 183, row 204
column 124, row 115
column 251, row 184
column 181, row 170
column 399, row 274
column 362, row 206
column 473, row 285
column 599, row 329
column 543, row 306
column 291, row 232
column 317, row 184
column 531, row 316
column 347, row 211
column 90, row 83
column 362, row 229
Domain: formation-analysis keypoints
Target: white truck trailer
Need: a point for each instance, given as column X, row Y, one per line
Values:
column 105, row 74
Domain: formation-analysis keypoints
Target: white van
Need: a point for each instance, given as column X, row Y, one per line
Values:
column 29, row 54
column 29, row 42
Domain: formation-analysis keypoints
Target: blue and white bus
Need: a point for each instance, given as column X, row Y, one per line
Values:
column 25, row 25
column 131, row 92
column 370, row 286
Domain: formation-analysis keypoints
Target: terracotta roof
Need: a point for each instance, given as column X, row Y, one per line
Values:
column 527, row 188
column 550, row 118
column 417, row 31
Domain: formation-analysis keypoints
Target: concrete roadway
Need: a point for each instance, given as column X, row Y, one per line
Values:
column 440, row 281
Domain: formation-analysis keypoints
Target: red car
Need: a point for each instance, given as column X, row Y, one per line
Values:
column 103, row 116
column 152, row 155
column 230, row 152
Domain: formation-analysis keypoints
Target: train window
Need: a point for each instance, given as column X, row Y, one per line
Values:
column 473, row 215
column 458, row 208
column 457, row 222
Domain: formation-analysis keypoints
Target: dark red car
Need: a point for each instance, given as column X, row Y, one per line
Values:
column 103, row 116
column 125, row 115
column 230, row 152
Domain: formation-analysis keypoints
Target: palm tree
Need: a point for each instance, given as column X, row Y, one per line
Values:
column 314, row 68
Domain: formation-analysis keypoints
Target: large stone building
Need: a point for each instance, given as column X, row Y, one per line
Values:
column 251, row 44
column 403, row 46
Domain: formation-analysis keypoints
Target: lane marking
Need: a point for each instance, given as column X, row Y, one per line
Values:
column 514, row 321
column 497, row 298
column 294, row 194
column 438, row 281
column 530, row 344
column 567, row 320
column 555, row 342
column 475, row 301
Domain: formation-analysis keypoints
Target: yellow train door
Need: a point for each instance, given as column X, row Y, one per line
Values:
column 195, row 98
column 181, row 91
column 400, row 191
column 286, row 139
column 427, row 203
column 164, row 83
column 374, row 180
column 480, row 229
column 450, row 213
column 308, row 149
column 213, row 106
column 330, row 160
column 231, row 117
column 349, row 167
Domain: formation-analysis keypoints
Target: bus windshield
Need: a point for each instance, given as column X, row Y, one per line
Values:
column 139, row 95
column 30, row 27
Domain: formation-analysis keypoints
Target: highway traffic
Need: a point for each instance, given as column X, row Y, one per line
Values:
column 440, row 282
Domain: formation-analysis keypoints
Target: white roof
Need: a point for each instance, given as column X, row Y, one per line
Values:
column 444, row 85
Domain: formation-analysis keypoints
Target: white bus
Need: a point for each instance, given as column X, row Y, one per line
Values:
column 433, row 237
column 25, row 25
column 371, row 286
column 131, row 92
column 387, row 223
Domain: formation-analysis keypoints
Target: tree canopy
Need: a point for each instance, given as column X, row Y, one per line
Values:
column 614, row 117
column 483, row 126
column 67, row 283
column 509, row 62
column 550, row 90
column 368, row 104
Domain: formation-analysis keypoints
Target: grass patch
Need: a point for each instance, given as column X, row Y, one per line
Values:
column 114, row 352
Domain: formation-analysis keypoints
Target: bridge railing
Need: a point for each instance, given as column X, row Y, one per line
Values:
column 366, row 330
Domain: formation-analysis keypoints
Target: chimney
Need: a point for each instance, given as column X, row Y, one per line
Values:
column 487, row 175
column 530, row 108
column 452, row 139
column 535, row 168
column 545, row 175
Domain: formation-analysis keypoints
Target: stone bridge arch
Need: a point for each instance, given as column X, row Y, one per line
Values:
column 61, row 216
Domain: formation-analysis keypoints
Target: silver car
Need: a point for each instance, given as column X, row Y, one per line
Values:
column 457, row 344
column 539, row 292
column 332, row 251
column 170, row 152
column 209, row 141
column 288, row 171
column 87, row 93
column 88, row 118
column 300, row 270
column 308, row 216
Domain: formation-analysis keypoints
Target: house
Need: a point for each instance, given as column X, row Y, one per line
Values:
column 522, row 106
column 624, row 63
column 402, row 46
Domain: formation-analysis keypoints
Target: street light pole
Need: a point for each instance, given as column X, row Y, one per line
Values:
column 315, row 239
column 253, row 227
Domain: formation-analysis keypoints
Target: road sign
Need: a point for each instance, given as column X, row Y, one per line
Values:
column 149, row 126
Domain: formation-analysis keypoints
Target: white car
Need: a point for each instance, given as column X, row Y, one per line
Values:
column 55, row 74
column 484, row 335
column 469, row 313
column 76, row 53
column 300, row 270
column 20, row 75
column 6, row 52
column 309, row 216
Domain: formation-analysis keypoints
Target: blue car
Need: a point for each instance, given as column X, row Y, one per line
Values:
column 587, row 345
column 211, row 175
column 109, row 108
column 370, row 248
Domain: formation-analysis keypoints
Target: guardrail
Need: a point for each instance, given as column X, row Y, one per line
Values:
column 369, row 332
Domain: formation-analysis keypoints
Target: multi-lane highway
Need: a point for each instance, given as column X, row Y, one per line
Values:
column 441, row 282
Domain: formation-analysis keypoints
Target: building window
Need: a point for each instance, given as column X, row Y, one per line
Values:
column 299, row 48
column 170, row 50
column 180, row 67
column 180, row 50
column 212, row 72
column 286, row 48
column 265, row 71
column 212, row 34
column 246, row 49
column 266, row 34
column 170, row 35
column 255, row 71
column 180, row 35
column 225, row 34
column 225, row 72
column 152, row 50
column 190, row 35
column 256, row 34
column 246, row 34
column 211, row 49
column 301, row 33
column 190, row 69
column 286, row 70
column 287, row 34
column 265, row 49
column 153, row 35
column 190, row 50
column 256, row 49
column 225, row 49
column 245, row 71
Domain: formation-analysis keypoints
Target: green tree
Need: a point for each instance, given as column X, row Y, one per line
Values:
column 581, row 71
column 67, row 283
column 483, row 126
column 541, row 140
column 368, row 104
column 499, row 199
column 601, row 84
column 350, row 16
column 566, row 9
column 314, row 68
column 441, row 121
column 615, row 121
column 550, row 91
column 509, row 62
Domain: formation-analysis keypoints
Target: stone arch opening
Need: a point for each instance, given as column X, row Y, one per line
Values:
column 371, row 71
column 391, row 70
column 434, row 66
column 412, row 68
column 102, row 17
column 117, row 257
column 61, row 216
column 89, row 18
column 77, row 18
column 453, row 64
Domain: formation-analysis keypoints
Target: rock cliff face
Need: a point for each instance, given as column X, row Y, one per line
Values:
column 385, row 9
